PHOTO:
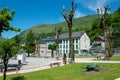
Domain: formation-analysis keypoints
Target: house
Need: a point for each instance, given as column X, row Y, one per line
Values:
column 81, row 43
column 43, row 46
column 80, row 39
column 98, row 44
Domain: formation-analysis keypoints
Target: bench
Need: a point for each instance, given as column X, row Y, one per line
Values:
column 55, row 64
column 91, row 67
column 11, row 68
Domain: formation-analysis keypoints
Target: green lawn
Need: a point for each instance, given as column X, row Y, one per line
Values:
column 115, row 58
column 74, row 71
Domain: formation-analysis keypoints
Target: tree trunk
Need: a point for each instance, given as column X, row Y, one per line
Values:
column 110, row 47
column 52, row 54
column 57, row 35
column 5, row 62
column 28, row 54
column 106, row 43
column 71, row 53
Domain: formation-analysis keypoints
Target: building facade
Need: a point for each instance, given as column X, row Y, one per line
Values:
column 43, row 47
column 81, row 43
column 80, row 39
column 98, row 45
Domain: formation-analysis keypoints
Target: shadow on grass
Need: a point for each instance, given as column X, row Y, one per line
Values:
column 18, row 78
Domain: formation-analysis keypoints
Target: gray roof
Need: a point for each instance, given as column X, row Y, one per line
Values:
column 74, row 35
column 48, row 39
column 63, row 36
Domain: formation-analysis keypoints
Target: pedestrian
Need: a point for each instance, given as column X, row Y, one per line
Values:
column 64, row 58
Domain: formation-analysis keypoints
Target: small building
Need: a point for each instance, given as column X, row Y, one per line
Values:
column 43, row 46
column 98, row 44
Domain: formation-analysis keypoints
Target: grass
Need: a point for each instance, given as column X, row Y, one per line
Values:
column 115, row 58
column 74, row 71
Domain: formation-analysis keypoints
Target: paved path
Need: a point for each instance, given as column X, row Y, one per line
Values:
column 35, row 64
column 32, row 64
column 92, row 60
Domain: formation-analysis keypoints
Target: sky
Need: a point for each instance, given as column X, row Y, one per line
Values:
column 30, row 13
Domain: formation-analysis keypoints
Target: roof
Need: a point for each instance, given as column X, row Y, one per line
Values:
column 99, row 38
column 48, row 39
column 63, row 36
column 74, row 35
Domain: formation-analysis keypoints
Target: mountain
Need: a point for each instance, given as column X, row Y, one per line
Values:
column 44, row 30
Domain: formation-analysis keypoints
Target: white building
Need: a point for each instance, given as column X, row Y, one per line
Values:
column 43, row 47
column 98, row 45
column 80, row 39
column 81, row 43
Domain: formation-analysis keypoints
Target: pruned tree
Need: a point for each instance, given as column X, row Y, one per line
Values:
column 8, row 49
column 57, row 30
column 104, row 23
column 5, row 18
column 68, row 16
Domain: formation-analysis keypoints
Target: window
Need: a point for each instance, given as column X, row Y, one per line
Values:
column 63, row 41
column 76, row 40
column 66, row 41
column 60, row 51
column 66, row 46
column 60, row 41
column 60, row 46
column 63, row 46
column 66, row 51
column 76, row 46
column 76, row 51
column 73, row 40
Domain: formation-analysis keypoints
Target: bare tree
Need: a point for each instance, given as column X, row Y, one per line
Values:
column 68, row 16
column 58, row 30
column 107, row 32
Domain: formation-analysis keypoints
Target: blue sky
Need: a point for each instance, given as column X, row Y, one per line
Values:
column 30, row 13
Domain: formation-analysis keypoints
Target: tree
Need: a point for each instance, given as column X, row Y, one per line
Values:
column 29, row 43
column 95, row 30
column 8, row 49
column 106, row 25
column 58, row 30
column 17, row 40
column 116, row 28
column 52, row 47
column 68, row 16
column 5, row 18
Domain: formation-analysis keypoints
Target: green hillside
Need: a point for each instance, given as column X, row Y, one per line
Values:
column 78, row 24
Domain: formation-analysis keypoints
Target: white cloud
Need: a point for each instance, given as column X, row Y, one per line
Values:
column 98, row 4
column 94, row 4
column 78, row 14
